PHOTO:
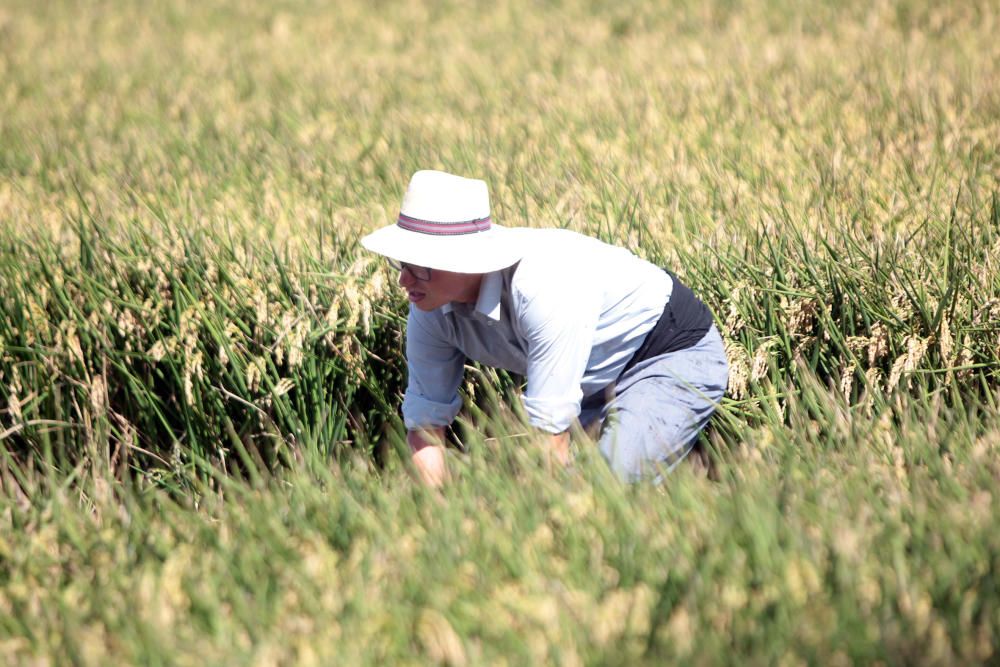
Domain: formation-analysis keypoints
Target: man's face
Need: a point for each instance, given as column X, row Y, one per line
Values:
column 440, row 288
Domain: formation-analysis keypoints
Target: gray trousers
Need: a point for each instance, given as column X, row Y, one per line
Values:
column 650, row 418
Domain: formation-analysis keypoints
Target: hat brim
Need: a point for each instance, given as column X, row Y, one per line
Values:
column 480, row 252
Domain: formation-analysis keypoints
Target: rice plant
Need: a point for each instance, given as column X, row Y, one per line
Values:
column 200, row 369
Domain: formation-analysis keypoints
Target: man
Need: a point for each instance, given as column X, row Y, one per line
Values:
column 600, row 335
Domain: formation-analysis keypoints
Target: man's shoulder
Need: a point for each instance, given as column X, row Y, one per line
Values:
column 434, row 323
column 560, row 247
column 556, row 261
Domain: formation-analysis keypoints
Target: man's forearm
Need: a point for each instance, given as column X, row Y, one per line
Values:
column 427, row 449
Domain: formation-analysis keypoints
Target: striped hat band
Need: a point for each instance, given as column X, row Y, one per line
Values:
column 443, row 228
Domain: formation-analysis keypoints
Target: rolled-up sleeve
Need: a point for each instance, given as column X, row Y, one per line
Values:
column 434, row 367
column 558, row 325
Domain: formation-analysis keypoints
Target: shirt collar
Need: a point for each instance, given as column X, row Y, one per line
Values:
column 489, row 296
column 488, row 303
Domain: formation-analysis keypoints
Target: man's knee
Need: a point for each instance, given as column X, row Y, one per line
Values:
column 648, row 446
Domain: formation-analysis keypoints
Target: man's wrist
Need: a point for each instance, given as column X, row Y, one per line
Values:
column 559, row 447
column 418, row 439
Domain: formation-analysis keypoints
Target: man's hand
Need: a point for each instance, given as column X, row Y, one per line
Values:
column 427, row 447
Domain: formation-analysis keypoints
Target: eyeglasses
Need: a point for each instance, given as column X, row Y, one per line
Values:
column 418, row 272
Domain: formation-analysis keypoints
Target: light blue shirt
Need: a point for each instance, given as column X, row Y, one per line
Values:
column 567, row 317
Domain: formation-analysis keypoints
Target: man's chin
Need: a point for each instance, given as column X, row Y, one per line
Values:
column 425, row 304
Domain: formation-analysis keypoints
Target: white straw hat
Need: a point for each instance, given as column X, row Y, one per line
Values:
column 444, row 223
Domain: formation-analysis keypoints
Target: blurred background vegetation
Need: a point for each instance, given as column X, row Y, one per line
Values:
column 200, row 369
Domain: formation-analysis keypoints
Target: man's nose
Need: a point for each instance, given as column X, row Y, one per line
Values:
column 406, row 277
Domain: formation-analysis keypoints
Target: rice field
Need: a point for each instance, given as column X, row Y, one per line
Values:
column 200, row 368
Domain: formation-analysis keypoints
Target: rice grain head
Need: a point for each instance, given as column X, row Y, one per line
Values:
column 739, row 369
column 98, row 395
column 439, row 639
column 878, row 343
column 801, row 316
column 254, row 373
column 847, row 380
column 946, row 344
column 761, row 357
